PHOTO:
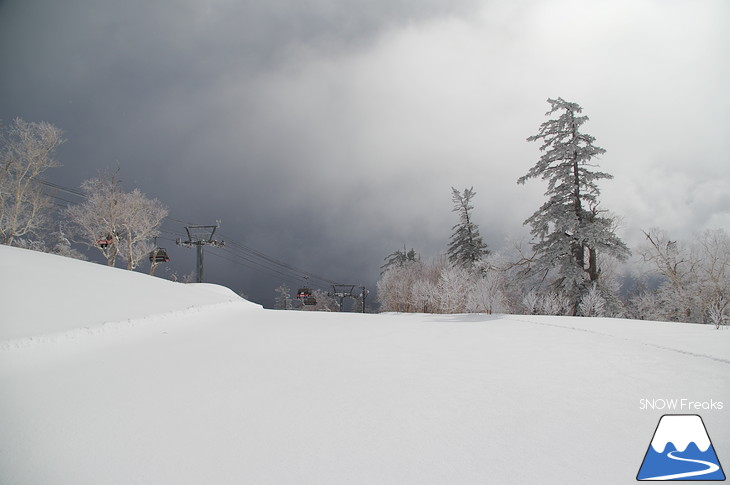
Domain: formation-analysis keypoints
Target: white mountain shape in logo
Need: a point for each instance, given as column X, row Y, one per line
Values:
column 681, row 430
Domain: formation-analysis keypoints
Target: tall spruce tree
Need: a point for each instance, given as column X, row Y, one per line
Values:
column 466, row 246
column 399, row 258
column 570, row 229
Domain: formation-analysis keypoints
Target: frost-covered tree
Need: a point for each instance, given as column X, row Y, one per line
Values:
column 569, row 228
column 54, row 243
column 718, row 312
column 118, row 223
column 555, row 303
column 96, row 222
column 139, row 226
column 487, row 293
column 593, row 303
column 399, row 258
column 646, row 305
column 58, row 243
column 441, row 287
column 325, row 303
column 27, row 149
column 283, row 299
column 395, row 287
column 453, row 288
column 425, row 296
column 696, row 275
column 466, row 247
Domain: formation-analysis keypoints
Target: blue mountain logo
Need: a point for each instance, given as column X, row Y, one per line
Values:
column 681, row 450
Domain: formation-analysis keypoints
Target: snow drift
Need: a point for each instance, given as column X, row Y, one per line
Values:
column 208, row 388
column 43, row 294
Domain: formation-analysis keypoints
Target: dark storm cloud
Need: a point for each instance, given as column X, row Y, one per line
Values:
column 168, row 92
column 328, row 133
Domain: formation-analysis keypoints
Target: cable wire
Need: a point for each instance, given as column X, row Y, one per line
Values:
column 239, row 253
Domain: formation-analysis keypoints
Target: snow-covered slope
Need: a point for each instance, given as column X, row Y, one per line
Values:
column 43, row 294
column 203, row 389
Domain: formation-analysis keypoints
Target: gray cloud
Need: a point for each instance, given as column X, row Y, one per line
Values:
column 328, row 134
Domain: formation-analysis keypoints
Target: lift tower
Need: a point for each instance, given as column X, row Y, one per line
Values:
column 199, row 236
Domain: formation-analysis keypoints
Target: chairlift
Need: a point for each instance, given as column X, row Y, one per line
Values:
column 159, row 255
column 105, row 242
column 306, row 297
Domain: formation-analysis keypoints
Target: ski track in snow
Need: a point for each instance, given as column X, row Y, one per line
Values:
column 94, row 392
column 604, row 334
column 106, row 327
column 711, row 468
column 68, row 335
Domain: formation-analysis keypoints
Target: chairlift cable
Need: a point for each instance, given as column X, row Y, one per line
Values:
column 268, row 264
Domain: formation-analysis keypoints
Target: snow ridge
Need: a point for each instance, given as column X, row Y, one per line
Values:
column 106, row 327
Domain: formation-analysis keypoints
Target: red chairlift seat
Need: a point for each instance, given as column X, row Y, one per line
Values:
column 306, row 297
column 105, row 242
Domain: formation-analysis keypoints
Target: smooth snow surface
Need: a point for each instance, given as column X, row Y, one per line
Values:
column 44, row 294
column 201, row 387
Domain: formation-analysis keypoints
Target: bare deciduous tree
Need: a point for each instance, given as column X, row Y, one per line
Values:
column 96, row 221
column 26, row 151
column 119, row 224
column 696, row 273
column 139, row 225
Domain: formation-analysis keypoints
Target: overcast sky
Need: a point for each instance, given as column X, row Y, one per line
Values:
column 327, row 134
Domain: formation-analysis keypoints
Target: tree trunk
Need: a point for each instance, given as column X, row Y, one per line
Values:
column 593, row 272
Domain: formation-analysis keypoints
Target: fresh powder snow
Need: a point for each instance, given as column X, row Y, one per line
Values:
column 113, row 377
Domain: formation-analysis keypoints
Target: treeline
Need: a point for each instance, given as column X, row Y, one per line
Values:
column 121, row 225
column 571, row 265
column 681, row 281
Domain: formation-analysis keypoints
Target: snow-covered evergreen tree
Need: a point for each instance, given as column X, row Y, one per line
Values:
column 570, row 229
column 399, row 258
column 466, row 246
